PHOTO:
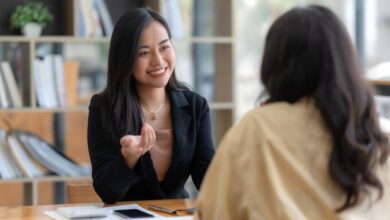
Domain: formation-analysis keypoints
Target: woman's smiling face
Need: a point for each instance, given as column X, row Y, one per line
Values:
column 155, row 59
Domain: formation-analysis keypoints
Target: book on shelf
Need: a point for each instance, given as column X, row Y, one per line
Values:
column 10, row 82
column 71, row 71
column 50, row 86
column 4, row 100
column 51, row 158
column 8, row 167
column 59, row 76
column 24, row 154
column 55, row 81
column 104, row 16
column 97, row 24
column 86, row 15
column 40, row 80
column 80, row 31
column 93, row 18
column 24, row 161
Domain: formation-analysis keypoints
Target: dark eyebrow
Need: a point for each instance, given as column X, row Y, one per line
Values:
column 161, row 42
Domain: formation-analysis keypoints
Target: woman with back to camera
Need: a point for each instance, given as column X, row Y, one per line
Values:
column 314, row 150
column 146, row 131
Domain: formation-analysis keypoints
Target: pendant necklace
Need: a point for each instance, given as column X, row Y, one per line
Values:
column 153, row 115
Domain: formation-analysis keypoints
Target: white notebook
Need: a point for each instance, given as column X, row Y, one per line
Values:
column 88, row 212
column 83, row 212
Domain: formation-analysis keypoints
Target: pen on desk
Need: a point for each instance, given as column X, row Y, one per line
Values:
column 162, row 209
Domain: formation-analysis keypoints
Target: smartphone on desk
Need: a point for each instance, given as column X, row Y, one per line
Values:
column 133, row 213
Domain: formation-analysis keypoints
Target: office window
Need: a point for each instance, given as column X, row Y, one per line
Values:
column 252, row 21
column 377, row 37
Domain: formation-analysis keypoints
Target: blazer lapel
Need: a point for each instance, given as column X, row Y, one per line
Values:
column 180, row 123
column 181, row 120
column 151, row 181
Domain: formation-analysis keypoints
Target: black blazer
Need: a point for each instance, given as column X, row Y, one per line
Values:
column 192, row 152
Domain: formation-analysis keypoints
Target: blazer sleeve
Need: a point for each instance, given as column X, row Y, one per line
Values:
column 112, row 178
column 204, row 150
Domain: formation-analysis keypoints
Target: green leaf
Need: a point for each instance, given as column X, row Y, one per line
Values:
column 30, row 12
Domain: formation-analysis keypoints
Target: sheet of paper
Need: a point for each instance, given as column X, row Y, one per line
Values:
column 55, row 215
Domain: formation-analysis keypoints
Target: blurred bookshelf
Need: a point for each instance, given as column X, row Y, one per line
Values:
column 204, row 52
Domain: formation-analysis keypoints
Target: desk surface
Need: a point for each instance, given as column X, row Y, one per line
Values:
column 37, row 212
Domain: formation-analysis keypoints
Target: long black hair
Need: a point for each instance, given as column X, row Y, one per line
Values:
column 121, row 112
column 308, row 53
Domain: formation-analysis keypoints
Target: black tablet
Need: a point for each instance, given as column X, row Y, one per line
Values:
column 133, row 213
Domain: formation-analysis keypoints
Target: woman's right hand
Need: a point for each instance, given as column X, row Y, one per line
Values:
column 133, row 146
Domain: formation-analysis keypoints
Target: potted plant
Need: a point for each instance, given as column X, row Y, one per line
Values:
column 31, row 17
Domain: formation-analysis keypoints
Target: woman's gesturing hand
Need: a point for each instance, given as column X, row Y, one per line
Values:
column 133, row 146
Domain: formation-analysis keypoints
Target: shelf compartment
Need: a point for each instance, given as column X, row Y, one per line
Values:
column 207, row 68
column 201, row 18
column 221, row 120
column 17, row 55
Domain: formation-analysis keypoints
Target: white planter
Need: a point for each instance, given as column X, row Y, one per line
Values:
column 32, row 29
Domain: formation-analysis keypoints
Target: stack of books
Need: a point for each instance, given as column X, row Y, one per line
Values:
column 24, row 154
column 55, row 81
column 93, row 18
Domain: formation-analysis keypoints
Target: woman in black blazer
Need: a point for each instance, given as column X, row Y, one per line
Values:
column 147, row 132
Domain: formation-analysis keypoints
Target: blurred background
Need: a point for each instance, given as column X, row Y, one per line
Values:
column 218, row 45
column 368, row 23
